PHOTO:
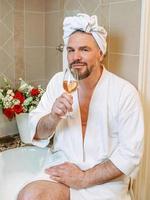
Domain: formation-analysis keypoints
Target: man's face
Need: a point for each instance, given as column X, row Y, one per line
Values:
column 83, row 54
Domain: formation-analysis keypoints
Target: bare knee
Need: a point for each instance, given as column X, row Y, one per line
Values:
column 30, row 191
column 44, row 190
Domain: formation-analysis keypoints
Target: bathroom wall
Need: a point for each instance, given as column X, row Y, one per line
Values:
column 53, row 36
column 8, row 55
column 30, row 33
column 22, row 46
column 124, row 38
column 34, row 40
column 32, row 29
column 7, row 58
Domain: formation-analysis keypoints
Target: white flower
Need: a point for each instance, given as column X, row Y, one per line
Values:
column 23, row 85
column 9, row 92
column 16, row 101
column 8, row 98
column 12, row 94
column 30, row 88
column 7, row 104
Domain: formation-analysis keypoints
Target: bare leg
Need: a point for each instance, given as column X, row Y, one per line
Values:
column 44, row 190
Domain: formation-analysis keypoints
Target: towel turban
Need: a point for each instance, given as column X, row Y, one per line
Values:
column 85, row 23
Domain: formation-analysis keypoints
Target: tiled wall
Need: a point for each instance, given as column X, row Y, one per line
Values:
column 7, row 58
column 53, row 36
column 34, row 40
column 124, row 27
column 29, row 34
column 30, row 30
column 7, row 54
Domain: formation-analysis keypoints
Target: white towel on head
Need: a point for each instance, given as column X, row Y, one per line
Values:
column 87, row 24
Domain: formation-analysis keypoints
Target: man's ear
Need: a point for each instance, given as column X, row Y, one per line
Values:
column 101, row 55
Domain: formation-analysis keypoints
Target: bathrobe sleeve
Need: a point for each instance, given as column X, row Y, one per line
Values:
column 128, row 153
column 43, row 108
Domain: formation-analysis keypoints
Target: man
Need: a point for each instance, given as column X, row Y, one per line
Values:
column 104, row 139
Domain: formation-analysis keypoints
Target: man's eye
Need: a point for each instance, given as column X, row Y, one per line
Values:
column 70, row 50
column 85, row 49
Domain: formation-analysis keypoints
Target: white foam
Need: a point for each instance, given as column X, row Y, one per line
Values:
column 12, row 184
column 20, row 168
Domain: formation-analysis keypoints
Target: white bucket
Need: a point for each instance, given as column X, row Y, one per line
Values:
column 23, row 127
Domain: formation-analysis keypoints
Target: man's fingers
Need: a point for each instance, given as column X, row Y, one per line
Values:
column 68, row 97
column 63, row 104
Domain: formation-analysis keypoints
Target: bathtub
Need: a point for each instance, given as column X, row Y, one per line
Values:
column 17, row 167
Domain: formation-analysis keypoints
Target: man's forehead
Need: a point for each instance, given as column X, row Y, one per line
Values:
column 81, row 38
column 81, row 34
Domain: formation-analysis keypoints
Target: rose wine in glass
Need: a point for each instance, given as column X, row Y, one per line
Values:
column 70, row 81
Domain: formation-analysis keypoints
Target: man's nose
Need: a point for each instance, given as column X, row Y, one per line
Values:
column 77, row 55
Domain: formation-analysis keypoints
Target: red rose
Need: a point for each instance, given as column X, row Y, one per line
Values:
column 18, row 109
column 19, row 95
column 35, row 92
column 9, row 113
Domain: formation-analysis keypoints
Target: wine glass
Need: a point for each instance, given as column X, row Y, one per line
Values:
column 70, row 82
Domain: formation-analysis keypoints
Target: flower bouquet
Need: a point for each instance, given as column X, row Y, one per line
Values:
column 21, row 100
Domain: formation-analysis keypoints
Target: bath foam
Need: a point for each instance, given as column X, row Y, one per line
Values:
column 52, row 159
column 12, row 182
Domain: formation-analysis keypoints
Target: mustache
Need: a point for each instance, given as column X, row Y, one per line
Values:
column 78, row 63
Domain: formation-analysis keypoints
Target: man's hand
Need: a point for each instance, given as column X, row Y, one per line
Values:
column 72, row 176
column 68, row 174
column 48, row 123
column 62, row 105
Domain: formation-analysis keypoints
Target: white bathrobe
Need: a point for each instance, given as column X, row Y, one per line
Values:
column 114, row 131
